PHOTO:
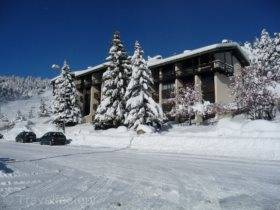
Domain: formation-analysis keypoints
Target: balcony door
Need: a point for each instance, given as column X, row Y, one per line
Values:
column 207, row 87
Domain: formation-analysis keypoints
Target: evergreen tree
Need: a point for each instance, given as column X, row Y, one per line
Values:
column 30, row 113
column 66, row 108
column 20, row 116
column 43, row 109
column 142, row 109
column 3, row 118
column 110, row 112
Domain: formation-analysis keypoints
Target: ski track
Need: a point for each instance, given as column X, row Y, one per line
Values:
column 73, row 177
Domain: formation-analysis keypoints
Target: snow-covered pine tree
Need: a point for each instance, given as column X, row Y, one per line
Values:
column 31, row 113
column 20, row 116
column 142, row 109
column 252, row 93
column 66, row 108
column 43, row 109
column 183, row 103
column 111, row 110
column 3, row 118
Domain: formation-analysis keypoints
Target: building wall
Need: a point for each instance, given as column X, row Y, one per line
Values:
column 222, row 84
column 236, row 65
column 175, row 74
column 222, row 88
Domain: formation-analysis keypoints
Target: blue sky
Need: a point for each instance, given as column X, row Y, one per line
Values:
column 35, row 34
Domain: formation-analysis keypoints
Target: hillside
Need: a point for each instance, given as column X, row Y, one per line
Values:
column 15, row 88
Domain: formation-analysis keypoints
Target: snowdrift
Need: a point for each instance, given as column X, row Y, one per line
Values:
column 231, row 137
column 238, row 137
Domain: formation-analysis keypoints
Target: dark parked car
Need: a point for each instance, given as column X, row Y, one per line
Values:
column 53, row 138
column 26, row 136
column 1, row 136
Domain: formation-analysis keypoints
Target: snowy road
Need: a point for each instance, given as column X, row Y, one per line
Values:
column 68, row 177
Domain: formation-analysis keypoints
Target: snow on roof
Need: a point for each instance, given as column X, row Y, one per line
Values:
column 90, row 69
column 186, row 54
column 83, row 72
column 156, row 61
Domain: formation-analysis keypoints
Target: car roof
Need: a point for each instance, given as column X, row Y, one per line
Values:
column 54, row 132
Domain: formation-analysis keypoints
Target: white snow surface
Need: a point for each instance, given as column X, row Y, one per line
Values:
column 74, row 177
column 231, row 137
column 198, row 167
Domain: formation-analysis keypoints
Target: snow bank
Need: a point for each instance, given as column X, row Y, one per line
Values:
column 230, row 137
column 237, row 137
column 85, row 134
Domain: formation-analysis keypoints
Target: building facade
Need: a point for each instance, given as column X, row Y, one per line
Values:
column 209, row 69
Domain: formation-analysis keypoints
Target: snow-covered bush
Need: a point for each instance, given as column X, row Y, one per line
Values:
column 225, row 109
column 66, row 108
column 111, row 110
column 204, row 108
column 183, row 102
column 141, row 107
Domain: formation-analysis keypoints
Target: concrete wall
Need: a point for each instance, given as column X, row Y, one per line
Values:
column 222, row 84
column 236, row 65
column 222, row 88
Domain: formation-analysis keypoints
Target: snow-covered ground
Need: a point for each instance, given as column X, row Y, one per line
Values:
column 237, row 137
column 77, row 177
column 233, row 164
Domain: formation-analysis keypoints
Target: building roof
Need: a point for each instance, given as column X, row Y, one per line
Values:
column 186, row 54
column 191, row 53
column 90, row 69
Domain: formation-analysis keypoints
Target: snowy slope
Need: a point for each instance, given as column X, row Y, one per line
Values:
column 38, row 125
column 24, row 105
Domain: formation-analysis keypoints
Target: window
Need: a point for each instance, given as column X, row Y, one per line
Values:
column 187, row 64
column 87, row 103
column 167, row 90
column 207, row 87
column 168, row 72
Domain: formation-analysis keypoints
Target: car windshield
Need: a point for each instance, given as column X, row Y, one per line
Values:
column 58, row 134
column 54, row 134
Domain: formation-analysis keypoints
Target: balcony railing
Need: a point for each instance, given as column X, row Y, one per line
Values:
column 218, row 64
column 215, row 65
